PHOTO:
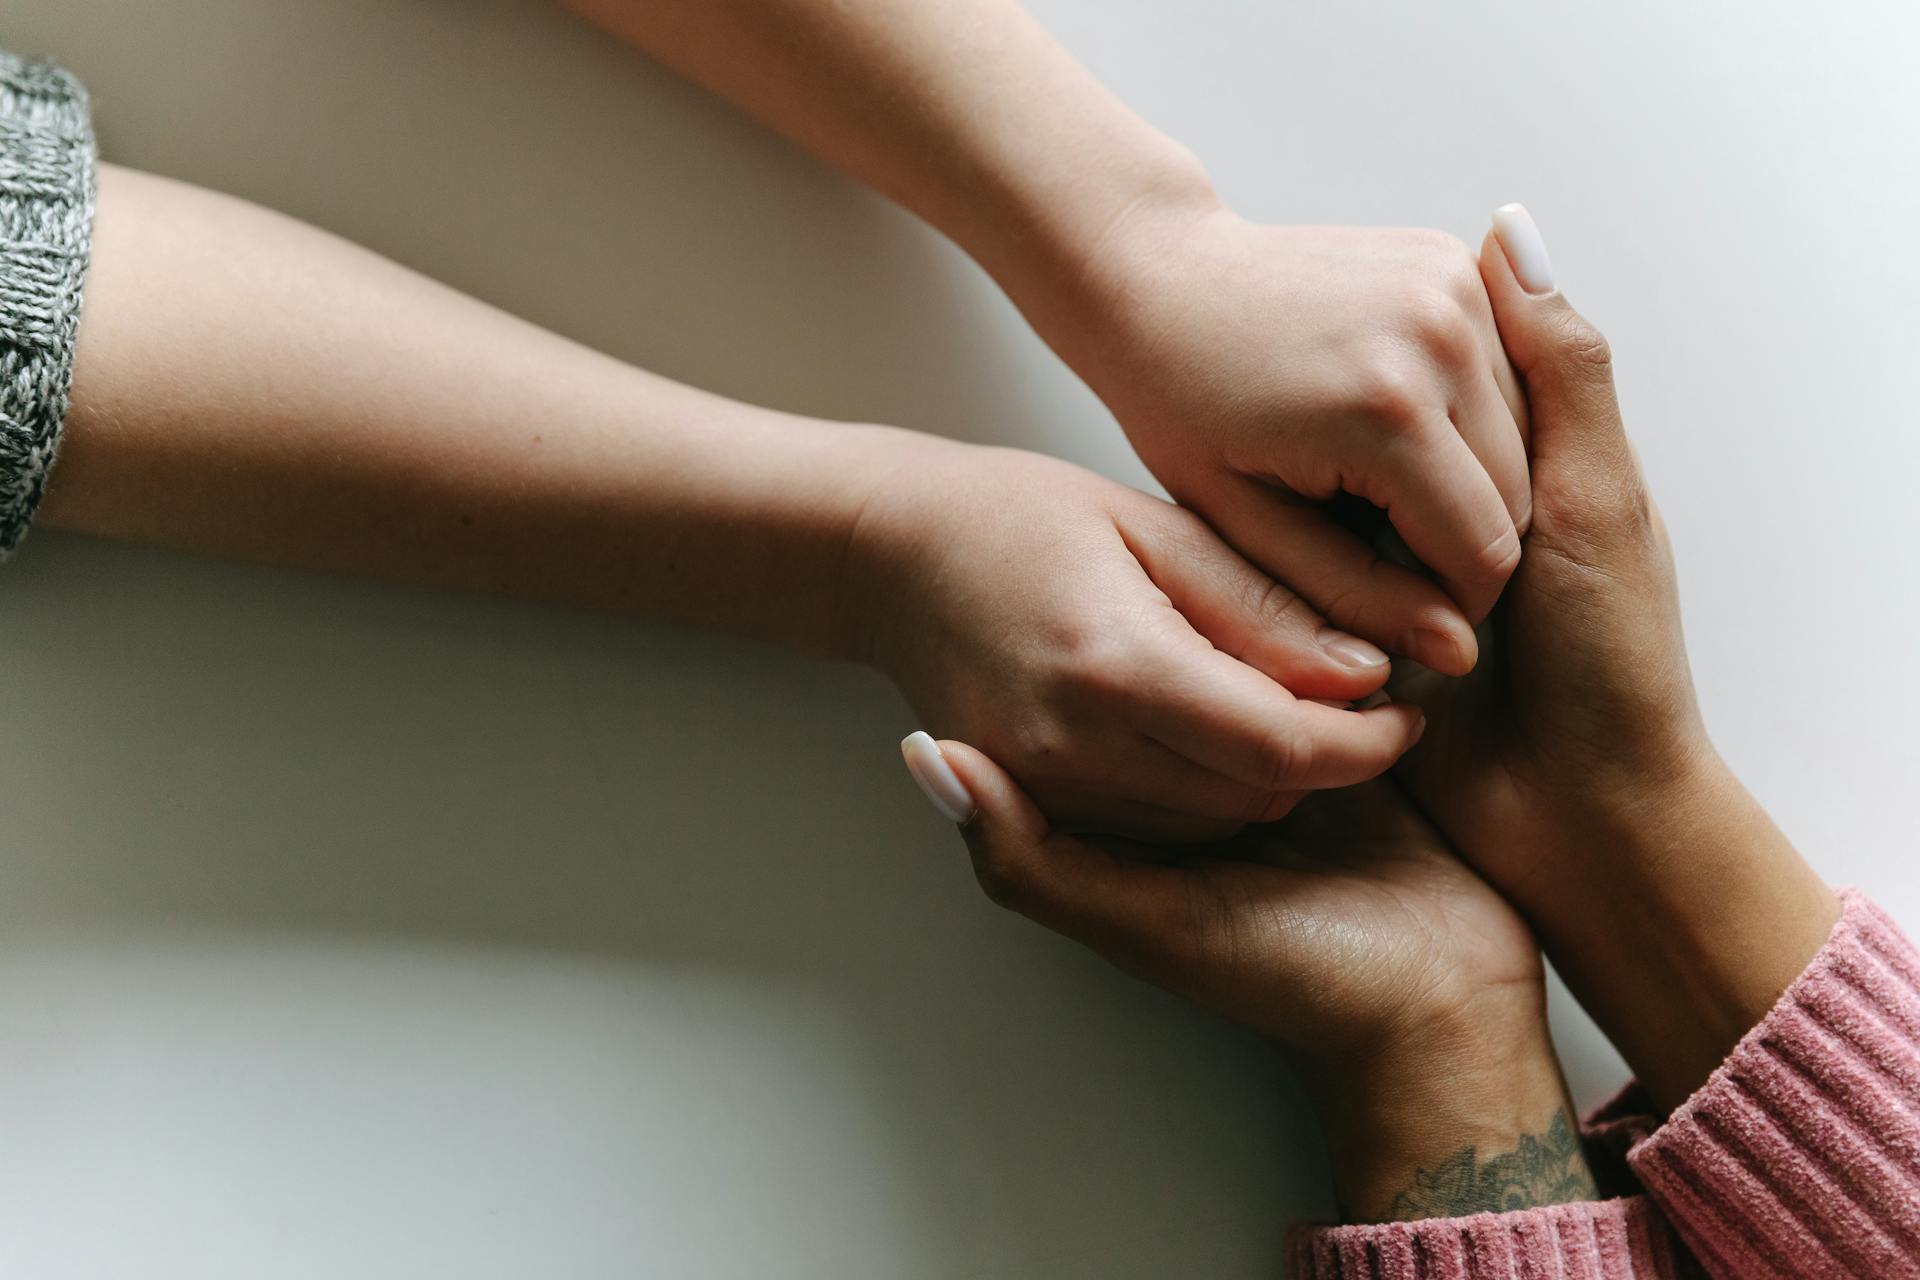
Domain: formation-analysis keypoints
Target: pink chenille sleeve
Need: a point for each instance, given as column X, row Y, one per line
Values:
column 1798, row 1159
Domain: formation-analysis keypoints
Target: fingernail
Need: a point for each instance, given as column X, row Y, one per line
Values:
column 1526, row 251
column 936, row 777
column 1378, row 698
column 1419, row 728
column 1350, row 651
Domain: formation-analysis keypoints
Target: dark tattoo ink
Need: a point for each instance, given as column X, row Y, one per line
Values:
column 1546, row 1168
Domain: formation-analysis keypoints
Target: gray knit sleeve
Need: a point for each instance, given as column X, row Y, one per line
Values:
column 46, row 219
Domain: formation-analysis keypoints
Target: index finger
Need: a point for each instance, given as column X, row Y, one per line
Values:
column 1225, row 715
column 1448, row 510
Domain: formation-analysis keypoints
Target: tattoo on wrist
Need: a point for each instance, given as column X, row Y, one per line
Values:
column 1545, row 1168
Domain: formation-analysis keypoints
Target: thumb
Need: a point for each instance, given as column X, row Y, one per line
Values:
column 1582, row 462
column 1129, row 912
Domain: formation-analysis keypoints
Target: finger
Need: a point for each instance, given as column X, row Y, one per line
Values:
column 1580, row 446
column 1563, row 360
column 1506, row 379
column 1176, row 783
column 1342, row 576
column 1486, row 423
column 1228, row 717
column 1131, row 912
column 1249, row 616
column 1148, row 791
column 1445, row 506
column 1160, row 832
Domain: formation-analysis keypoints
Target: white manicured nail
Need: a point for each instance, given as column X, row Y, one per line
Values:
column 936, row 777
column 1526, row 251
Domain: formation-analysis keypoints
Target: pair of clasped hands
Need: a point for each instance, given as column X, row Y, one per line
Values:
column 1562, row 793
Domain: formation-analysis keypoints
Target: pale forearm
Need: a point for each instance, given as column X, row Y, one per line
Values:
column 249, row 387
column 967, row 113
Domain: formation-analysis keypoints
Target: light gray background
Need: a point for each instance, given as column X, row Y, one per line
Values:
column 355, row 931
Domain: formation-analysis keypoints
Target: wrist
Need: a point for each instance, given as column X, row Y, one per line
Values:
column 1076, row 265
column 1686, row 913
column 887, row 536
column 1461, row 1111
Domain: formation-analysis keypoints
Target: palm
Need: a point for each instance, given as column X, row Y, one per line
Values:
column 1349, row 917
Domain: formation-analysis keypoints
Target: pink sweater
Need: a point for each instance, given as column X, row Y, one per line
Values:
column 1799, row 1159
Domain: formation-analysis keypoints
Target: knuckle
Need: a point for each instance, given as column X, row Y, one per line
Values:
column 1041, row 744
column 1499, row 558
column 1602, row 519
column 1638, row 518
column 1350, row 604
column 1275, row 608
column 1282, row 758
column 1000, row 879
column 1662, row 540
column 1181, row 529
column 1098, row 675
column 1442, row 330
column 1464, row 282
column 1523, row 511
column 1454, row 263
column 1390, row 394
column 1445, row 247
column 1581, row 344
column 1076, row 656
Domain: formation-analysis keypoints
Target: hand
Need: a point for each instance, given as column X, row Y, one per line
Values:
column 1132, row 671
column 1572, row 768
column 1261, row 371
column 1586, row 701
column 1346, row 925
column 1410, row 994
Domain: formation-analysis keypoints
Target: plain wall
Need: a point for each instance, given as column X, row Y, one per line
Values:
column 347, row 930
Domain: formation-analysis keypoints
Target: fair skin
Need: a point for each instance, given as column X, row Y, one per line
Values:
column 1571, row 772
column 1152, row 673
column 249, row 387
column 1259, row 371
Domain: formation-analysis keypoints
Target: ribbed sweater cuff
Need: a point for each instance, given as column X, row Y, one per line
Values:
column 1625, row 1239
column 1800, row 1156
column 46, row 219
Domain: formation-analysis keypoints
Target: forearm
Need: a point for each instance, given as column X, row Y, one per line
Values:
column 1691, row 915
column 246, row 386
column 1466, row 1115
column 967, row 113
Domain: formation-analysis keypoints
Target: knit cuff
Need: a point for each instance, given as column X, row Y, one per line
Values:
column 1800, row 1156
column 1624, row 1239
column 46, row 219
